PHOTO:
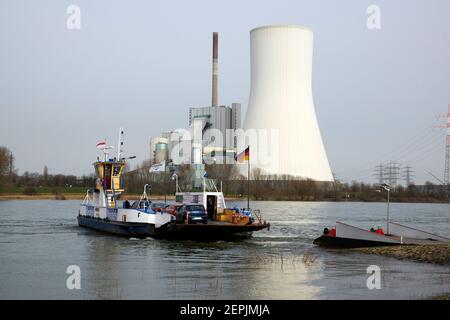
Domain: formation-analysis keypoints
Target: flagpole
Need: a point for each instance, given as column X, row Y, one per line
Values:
column 248, row 180
column 165, row 188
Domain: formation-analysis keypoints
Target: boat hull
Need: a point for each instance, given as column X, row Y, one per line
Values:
column 348, row 236
column 338, row 242
column 212, row 231
column 208, row 232
column 126, row 229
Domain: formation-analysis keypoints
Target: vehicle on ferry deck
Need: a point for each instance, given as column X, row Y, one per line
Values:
column 173, row 208
column 158, row 206
column 193, row 213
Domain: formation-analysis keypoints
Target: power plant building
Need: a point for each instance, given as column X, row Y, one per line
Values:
column 159, row 143
column 281, row 111
column 225, row 120
column 218, row 123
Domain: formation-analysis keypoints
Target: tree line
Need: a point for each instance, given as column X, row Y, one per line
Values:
column 278, row 187
column 28, row 181
column 262, row 186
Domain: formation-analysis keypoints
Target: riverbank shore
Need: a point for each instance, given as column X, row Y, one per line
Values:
column 441, row 297
column 74, row 196
column 70, row 196
column 79, row 196
column 434, row 253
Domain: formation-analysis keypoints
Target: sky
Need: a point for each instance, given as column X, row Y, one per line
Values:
column 378, row 93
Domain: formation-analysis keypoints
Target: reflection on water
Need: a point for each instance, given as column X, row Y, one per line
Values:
column 39, row 239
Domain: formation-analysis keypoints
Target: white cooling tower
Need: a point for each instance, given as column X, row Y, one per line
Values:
column 281, row 101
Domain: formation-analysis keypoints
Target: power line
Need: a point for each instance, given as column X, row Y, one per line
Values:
column 447, row 155
column 418, row 144
column 420, row 149
column 427, row 130
column 447, row 163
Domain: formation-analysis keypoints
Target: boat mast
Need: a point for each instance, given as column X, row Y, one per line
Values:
column 120, row 145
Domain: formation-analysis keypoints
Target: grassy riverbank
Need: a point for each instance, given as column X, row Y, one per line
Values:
column 77, row 193
column 69, row 196
column 80, row 196
column 441, row 297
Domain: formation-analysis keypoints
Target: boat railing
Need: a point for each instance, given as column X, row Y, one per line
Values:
column 87, row 199
column 144, row 200
column 257, row 214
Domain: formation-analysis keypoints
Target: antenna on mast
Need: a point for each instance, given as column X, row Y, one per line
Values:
column 106, row 153
column 120, row 145
column 102, row 146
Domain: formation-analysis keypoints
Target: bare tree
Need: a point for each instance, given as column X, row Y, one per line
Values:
column 45, row 175
column 6, row 167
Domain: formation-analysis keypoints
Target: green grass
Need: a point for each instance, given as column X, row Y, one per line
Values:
column 46, row 190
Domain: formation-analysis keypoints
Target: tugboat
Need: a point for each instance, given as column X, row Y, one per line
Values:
column 100, row 209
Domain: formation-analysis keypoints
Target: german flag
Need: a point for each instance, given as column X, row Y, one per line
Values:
column 244, row 155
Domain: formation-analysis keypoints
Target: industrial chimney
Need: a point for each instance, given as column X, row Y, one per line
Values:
column 214, row 69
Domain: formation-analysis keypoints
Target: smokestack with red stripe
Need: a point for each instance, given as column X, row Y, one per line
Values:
column 214, row 102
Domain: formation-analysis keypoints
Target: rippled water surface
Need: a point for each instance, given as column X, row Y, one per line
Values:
column 40, row 239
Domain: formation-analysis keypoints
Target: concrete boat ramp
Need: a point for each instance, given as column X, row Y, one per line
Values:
column 347, row 236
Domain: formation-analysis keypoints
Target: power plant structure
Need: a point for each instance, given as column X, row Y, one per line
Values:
column 280, row 111
column 281, row 104
column 216, row 124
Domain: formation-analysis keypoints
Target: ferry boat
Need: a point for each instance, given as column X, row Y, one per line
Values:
column 103, row 210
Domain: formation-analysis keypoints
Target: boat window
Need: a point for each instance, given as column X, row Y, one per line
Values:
column 107, row 177
column 108, row 170
column 116, row 170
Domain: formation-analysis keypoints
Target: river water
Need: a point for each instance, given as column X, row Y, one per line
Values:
column 40, row 239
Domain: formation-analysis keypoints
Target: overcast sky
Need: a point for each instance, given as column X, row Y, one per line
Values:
column 141, row 64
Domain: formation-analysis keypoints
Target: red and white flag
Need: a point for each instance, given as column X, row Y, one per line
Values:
column 101, row 144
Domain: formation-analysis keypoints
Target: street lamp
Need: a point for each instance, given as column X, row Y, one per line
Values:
column 387, row 188
column 175, row 177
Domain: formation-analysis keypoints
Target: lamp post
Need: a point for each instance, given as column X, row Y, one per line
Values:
column 387, row 188
column 175, row 177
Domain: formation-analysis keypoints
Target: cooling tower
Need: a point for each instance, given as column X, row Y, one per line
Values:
column 281, row 101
